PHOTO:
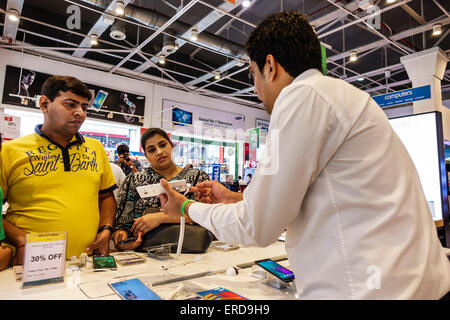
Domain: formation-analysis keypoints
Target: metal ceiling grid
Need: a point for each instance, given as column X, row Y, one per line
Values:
column 134, row 44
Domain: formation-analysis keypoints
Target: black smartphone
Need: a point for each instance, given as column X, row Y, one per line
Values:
column 103, row 263
column 276, row 269
column 132, row 239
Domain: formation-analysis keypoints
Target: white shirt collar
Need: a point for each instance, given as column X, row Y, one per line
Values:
column 307, row 74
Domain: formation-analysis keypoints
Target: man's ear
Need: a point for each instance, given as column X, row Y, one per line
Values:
column 271, row 66
column 43, row 103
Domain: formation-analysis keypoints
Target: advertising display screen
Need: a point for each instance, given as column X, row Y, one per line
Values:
column 423, row 138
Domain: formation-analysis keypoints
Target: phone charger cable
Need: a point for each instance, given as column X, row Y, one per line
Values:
column 182, row 224
column 175, row 292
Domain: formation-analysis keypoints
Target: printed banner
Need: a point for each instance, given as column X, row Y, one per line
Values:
column 21, row 85
column 181, row 115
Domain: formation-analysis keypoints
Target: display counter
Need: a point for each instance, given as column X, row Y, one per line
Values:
column 195, row 271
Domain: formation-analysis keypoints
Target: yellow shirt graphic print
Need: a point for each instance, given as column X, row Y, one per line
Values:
column 50, row 188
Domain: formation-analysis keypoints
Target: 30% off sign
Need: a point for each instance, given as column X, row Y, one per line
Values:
column 45, row 258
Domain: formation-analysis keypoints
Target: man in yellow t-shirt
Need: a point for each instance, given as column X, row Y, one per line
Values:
column 57, row 180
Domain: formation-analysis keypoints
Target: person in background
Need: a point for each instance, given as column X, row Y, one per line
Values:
column 136, row 216
column 119, row 176
column 340, row 181
column 241, row 181
column 57, row 180
column 127, row 164
column 249, row 178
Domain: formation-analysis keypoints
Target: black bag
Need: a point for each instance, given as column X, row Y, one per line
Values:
column 196, row 238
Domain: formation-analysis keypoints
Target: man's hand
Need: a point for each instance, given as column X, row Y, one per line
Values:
column 214, row 192
column 120, row 235
column 19, row 257
column 101, row 244
column 171, row 201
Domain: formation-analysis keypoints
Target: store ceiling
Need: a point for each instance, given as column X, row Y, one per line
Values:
column 153, row 28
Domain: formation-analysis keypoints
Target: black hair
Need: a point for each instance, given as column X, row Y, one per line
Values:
column 122, row 149
column 290, row 39
column 150, row 133
column 54, row 84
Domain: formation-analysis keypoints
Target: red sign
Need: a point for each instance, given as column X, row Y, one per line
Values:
column 221, row 154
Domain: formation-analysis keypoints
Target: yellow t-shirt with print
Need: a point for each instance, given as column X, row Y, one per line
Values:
column 51, row 188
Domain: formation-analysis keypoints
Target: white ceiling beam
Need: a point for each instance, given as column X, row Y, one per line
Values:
column 10, row 27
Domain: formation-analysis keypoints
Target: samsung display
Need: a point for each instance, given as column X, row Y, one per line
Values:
column 422, row 136
column 133, row 289
column 276, row 269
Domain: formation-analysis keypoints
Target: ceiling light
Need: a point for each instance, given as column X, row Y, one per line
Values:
column 217, row 75
column 353, row 56
column 162, row 60
column 390, row 1
column 93, row 39
column 194, row 35
column 120, row 8
column 437, row 29
column 360, row 79
column 13, row 15
column 246, row 3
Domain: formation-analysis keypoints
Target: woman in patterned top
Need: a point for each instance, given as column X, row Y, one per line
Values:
column 136, row 216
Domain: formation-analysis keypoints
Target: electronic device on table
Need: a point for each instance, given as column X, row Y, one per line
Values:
column 276, row 269
column 133, row 289
column 104, row 263
column 127, row 258
column 222, row 246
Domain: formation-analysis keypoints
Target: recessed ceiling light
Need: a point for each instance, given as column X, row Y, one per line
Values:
column 353, row 56
column 13, row 15
column 194, row 35
column 246, row 3
column 93, row 39
column 162, row 59
column 120, row 8
column 217, row 75
column 437, row 29
column 360, row 79
column 390, row 1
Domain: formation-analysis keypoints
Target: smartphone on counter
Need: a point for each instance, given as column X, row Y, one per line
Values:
column 104, row 263
column 276, row 269
column 222, row 246
column 133, row 289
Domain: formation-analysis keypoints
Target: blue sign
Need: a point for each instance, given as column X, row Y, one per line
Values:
column 404, row 96
column 215, row 172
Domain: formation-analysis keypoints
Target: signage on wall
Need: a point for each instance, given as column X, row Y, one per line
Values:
column 22, row 85
column 215, row 172
column 404, row 96
column 262, row 124
column 191, row 118
column 11, row 127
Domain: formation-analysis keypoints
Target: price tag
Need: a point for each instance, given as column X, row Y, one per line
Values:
column 45, row 258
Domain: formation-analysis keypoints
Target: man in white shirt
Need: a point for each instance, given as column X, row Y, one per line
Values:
column 334, row 174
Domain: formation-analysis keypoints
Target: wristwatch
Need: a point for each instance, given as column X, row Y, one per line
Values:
column 105, row 227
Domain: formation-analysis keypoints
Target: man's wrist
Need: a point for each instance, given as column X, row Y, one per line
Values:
column 186, row 207
column 105, row 227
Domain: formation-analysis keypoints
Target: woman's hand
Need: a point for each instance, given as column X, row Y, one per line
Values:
column 147, row 222
column 120, row 235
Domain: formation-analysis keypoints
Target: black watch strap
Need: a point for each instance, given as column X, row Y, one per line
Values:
column 105, row 227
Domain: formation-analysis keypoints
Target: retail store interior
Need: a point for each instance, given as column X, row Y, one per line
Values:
column 182, row 66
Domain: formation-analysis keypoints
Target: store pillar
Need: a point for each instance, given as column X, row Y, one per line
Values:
column 428, row 68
